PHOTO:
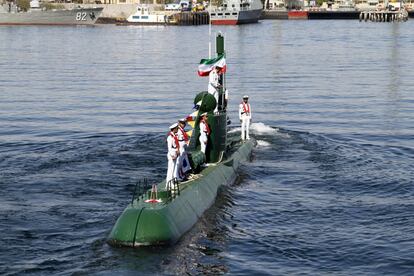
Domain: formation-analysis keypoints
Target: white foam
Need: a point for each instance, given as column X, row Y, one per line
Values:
column 263, row 144
column 260, row 128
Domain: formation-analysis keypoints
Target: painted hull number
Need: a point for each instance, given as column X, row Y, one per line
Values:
column 81, row 16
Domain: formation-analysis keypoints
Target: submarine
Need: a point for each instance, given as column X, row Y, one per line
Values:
column 162, row 213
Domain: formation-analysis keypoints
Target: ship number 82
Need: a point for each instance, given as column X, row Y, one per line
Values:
column 81, row 16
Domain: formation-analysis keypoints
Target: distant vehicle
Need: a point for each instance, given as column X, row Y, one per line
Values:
column 181, row 5
column 198, row 7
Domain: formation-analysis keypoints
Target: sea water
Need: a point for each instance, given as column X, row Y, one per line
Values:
column 84, row 114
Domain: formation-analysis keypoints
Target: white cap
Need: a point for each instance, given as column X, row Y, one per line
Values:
column 204, row 114
column 173, row 126
column 245, row 97
column 182, row 120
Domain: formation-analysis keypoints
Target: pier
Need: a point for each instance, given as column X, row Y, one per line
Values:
column 333, row 15
column 117, row 14
column 384, row 16
column 190, row 18
column 177, row 19
column 375, row 16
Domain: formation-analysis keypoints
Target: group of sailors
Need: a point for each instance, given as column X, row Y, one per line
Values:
column 177, row 143
column 178, row 140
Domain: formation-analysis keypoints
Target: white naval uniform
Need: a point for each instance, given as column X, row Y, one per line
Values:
column 245, row 115
column 213, row 83
column 204, row 129
column 183, row 164
column 173, row 151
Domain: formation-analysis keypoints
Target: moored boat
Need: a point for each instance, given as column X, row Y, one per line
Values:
column 11, row 14
column 162, row 214
column 144, row 16
column 235, row 12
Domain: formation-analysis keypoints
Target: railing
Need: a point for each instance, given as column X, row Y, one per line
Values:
column 148, row 193
column 141, row 188
column 173, row 188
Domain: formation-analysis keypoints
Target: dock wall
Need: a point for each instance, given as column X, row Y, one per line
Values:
column 119, row 12
column 332, row 15
column 271, row 14
column 315, row 15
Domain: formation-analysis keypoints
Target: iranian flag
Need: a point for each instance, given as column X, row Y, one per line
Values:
column 207, row 65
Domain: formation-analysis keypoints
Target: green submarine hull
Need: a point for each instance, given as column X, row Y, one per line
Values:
column 162, row 214
column 143, row 223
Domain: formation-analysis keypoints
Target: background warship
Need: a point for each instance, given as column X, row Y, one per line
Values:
column 12, row 14
column 235, row 12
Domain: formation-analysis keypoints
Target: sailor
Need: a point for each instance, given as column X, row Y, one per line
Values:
column 173, row 151
column 245, row 115
column 214, row 84
column 204, row 132
column 183, row 164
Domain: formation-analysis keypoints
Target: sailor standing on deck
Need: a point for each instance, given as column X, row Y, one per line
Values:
column 245, row 115
column 173, row 151
column 214, row 84
column 183, row 164
column 204, row 132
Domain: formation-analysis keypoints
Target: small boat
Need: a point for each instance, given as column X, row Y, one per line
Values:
column 12, row 14
column 235, row 12
column 161, row 214
column 144, row 16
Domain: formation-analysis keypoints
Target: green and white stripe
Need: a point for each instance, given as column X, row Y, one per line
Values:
column 207, row 65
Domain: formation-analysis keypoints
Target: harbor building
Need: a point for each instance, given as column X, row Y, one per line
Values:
column 338, row 5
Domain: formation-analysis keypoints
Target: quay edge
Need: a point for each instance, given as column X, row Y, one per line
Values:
column 317, row 15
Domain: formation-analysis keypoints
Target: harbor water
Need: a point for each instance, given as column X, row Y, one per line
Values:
column 84, row 113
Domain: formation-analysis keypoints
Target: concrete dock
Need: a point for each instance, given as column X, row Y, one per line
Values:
column 117, row 14
column 316, row 15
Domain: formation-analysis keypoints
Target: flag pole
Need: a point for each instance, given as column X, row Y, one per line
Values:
column 209, row 29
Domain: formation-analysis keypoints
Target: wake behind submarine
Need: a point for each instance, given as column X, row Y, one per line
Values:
column 163, row 213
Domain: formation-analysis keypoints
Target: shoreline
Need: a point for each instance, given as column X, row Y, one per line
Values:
column 117, row 14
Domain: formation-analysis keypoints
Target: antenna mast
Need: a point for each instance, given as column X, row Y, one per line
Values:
column 209, row 29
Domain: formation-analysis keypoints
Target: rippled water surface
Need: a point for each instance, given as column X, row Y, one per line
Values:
column 83, row 116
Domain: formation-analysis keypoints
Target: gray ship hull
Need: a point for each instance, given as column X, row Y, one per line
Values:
column 251, row 16
column 235, row 17
column 87, row 16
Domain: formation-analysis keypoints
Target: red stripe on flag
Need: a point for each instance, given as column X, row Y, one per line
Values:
column 203, row 74
column 223, row 70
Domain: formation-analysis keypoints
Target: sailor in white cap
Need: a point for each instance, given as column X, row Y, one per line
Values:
column 214, row 84
column 183, row 164
column 204, row 132
column 173, row 151
column 245, row 115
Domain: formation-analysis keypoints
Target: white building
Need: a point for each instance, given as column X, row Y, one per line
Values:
column 274, row 4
